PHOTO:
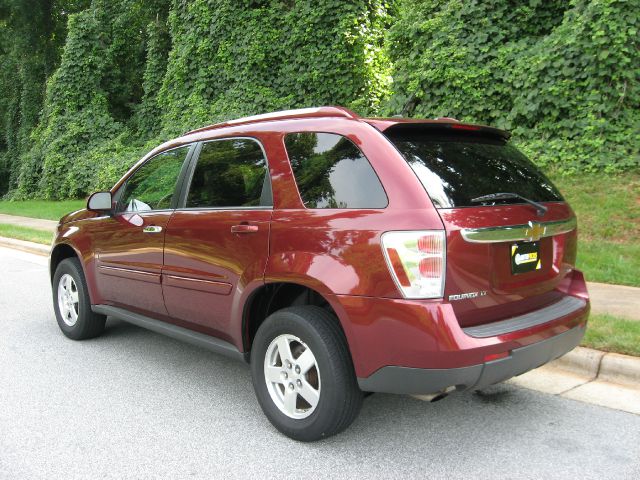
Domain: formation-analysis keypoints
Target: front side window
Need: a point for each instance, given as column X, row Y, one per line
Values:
column 331, row 172
column 152, row 186
column 230, row 173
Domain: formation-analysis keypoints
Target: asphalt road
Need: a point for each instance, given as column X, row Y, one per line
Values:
column 134, row 404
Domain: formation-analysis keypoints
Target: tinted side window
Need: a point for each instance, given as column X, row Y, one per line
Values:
column 152, row 186
column 230, row 173
column 331, row 172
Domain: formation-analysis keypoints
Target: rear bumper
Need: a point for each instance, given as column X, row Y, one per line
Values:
column 418, row 346
column 406, row 380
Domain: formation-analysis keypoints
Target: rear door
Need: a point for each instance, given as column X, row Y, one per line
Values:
column 130, row 243
column 504, row 257
column 218, row 241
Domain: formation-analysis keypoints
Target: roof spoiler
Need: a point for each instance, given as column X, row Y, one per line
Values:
column 448, row 124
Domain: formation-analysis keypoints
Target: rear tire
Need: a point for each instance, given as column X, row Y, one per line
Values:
column 72, row 304
column 316, row 368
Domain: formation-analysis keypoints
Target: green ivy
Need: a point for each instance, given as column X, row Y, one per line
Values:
column 123, row 85
column 90, row 99
column 563, row 76
column 88, row 86
column 232, row 58
column 148, row 115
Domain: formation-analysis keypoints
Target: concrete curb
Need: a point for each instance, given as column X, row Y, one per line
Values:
column 580, row 361
column 591, row 376
column 597, row 365
column 30, row 247
column 616, row 368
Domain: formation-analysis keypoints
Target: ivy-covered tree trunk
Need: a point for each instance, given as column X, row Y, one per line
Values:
column 149, row 114
column 31, row 36
column 90, row 100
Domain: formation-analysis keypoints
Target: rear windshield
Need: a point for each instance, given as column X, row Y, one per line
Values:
column 455, row 169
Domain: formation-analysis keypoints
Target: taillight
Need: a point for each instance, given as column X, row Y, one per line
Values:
column 416, row 260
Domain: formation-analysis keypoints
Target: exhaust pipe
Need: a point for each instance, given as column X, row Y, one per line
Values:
column 435, row 397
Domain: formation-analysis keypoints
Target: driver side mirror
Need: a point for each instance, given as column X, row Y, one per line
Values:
column 100, row 202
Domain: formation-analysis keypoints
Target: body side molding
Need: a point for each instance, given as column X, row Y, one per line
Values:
column 195, row 338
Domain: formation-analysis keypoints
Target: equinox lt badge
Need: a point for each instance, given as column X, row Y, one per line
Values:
column 464, row 296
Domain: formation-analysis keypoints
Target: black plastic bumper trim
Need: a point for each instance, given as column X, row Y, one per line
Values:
column 554, row 311
column 195, row 338
column 406, row 380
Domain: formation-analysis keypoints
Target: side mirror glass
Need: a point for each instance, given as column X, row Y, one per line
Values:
column 99, row 202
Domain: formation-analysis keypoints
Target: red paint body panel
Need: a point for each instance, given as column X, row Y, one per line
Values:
column 207, row 267
column 474, row 266
column 320, row 243
column 427, row 334
column 200, row 275
column 129, row 261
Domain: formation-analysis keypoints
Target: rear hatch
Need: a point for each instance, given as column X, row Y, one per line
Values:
column 505, row 256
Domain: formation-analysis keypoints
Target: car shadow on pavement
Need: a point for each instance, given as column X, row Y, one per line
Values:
column 498, row 414
column 217, row 375
column 194, row 405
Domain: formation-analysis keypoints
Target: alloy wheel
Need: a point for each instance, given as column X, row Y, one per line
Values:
column 292, row 376
column 68, row 300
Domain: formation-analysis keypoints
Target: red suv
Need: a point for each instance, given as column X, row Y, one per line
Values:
column 337, row 255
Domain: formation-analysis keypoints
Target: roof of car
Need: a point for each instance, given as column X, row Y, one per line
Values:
column 315, row 112
column 381, row 124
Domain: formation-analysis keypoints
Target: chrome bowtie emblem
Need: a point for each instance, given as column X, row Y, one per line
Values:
column 535, row 231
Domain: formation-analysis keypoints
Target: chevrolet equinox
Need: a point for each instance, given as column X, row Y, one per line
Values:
column 337, row 255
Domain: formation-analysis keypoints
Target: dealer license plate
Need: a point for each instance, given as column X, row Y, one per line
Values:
column 525, row 257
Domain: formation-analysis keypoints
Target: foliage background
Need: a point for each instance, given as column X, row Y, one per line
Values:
column 87, row 86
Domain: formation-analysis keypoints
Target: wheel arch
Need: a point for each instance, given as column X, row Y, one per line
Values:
column 63, row 251
column 273, row 296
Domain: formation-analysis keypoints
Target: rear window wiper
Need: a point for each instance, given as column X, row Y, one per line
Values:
column 541, row 209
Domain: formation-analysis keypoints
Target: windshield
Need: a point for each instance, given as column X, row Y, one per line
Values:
column 454, row 169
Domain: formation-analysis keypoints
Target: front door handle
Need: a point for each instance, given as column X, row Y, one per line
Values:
column 244, row 228
column 152, row 229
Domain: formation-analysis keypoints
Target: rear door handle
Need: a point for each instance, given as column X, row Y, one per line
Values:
column 243, row 228
column 152, row 229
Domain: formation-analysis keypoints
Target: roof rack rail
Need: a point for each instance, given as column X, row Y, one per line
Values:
column 283, row 115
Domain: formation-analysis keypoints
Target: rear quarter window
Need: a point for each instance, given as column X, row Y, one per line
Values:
column 332, row 172
column 454, row 169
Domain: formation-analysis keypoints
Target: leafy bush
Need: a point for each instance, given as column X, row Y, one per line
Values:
column 130, row 75
column 562, row 75
column 232, row 58
column 82, row 101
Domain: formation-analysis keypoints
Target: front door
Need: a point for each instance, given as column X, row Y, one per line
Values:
column 219, row 241
column 130, row 244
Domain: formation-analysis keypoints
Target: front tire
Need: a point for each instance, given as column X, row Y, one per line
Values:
column 72, row 304
column 303, row 375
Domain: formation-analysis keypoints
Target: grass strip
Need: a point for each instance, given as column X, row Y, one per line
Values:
column 609, row 262
column 608, row 209
column 26, row 233
column 47, row 209
column 613, row 334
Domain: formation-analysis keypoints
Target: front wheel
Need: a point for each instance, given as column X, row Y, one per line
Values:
column 303, row 375
column 72, row 304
